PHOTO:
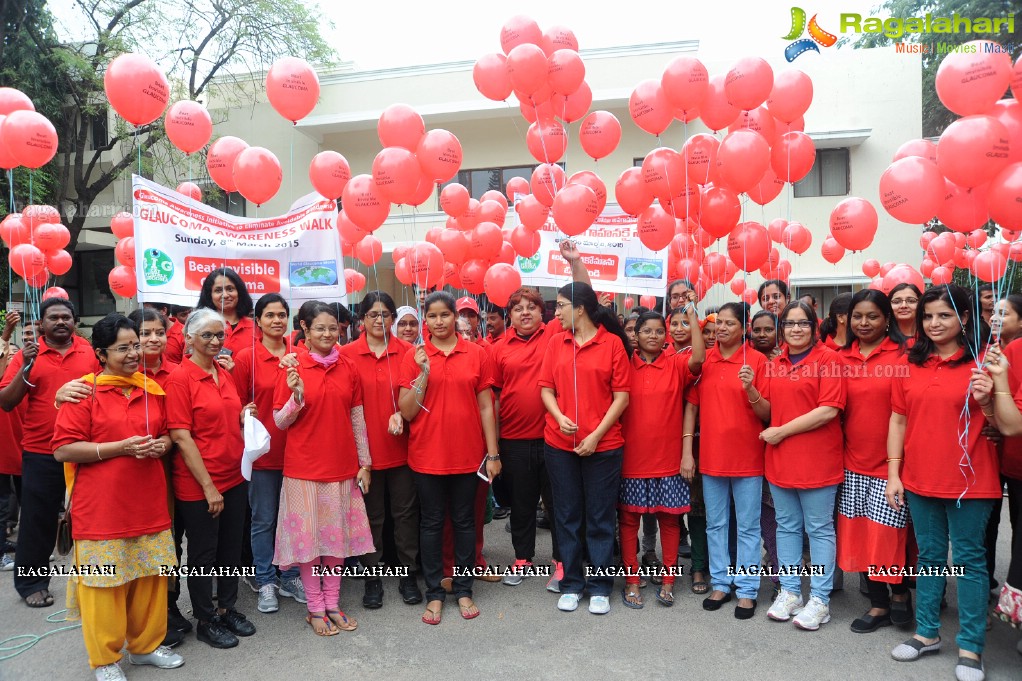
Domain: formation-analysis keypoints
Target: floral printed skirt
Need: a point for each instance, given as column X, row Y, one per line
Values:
column 320, row 519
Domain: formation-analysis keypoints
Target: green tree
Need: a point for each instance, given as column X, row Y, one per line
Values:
column 935, row 116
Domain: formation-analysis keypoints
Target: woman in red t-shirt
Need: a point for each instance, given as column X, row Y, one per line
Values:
column 940, row 463
column 114, row 439
column 445, row 382
column 905, row 301
column 652, row 463
column 205, row 416
column 322, row 514
column 869, row 535
column 223, row 290
column 804, row 393
column 377, row 356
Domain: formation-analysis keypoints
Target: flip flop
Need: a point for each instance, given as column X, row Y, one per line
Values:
column 634, row 605
column 342, row 621
column 435, row 614
column 331, row 630
column 466, row 610
column 667, row 600
column 40, row 599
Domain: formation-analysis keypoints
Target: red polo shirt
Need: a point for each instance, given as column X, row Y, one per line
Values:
column 729, row 444
column 868, row 383
column 381, row 387
column 163, row 373
column 517, row 364
column 10, row 440
column 652, row 422
column 50, row 371
column 120, row 496
column 932, row 398
column 1011, row 447
column 446, row 436
column 241, row 336
column 212, row 414
column 267, row 370
column 813, row 459
column 584, row 380
column 321, row 443
column 175, row 350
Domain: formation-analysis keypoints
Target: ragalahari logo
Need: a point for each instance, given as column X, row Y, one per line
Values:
column 801, row 45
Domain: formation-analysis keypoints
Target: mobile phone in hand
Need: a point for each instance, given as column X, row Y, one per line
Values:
column 225, row 352
column 361, row 487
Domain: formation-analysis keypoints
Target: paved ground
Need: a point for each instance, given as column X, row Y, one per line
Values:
column 522, row 635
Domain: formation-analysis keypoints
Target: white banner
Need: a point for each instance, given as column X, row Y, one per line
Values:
column 616, row 259
column 178, row 241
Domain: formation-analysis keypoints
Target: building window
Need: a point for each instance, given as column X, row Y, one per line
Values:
column 231, row 203
column 482, row 180
column 829, row 176
column 100, row 131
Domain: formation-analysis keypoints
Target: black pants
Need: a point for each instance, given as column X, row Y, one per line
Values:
column 878, row 595
column 438, row 495
column 42, row 499
column 524, row 468
column 398, row 486
column 1015, row 510
column 174, row 583
column 214, row 542
column 10, row 501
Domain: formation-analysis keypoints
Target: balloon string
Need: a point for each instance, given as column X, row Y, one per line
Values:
column 10, row 280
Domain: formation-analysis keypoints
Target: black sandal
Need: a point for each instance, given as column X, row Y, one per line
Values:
column 665, row 599
column 40, row 599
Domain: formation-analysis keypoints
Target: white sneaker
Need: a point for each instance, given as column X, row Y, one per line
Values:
column 110, row 672
column 813, row 615
column 6, row 563
column 599, row 605
column 163, row 657
column 785, row 605
column 268, row 598
column 568, row 602
column 292, row 588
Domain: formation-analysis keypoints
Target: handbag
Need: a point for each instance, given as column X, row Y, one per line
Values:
column 65, row 541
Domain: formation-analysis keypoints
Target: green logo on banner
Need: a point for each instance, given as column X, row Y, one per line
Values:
column 527, row 265
column 157, row 267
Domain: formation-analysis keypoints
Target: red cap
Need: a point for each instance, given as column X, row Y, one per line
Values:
column 467, row 303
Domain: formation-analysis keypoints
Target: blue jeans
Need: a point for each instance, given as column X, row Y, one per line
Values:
column 585, row 488
column 813, row 510
column 935, row 522
column 264, row 500
column 748, row 495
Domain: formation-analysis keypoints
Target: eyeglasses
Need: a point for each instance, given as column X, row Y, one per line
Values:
column 559, row 305
column 325, row 329
column 653, row 332
column 376, row 314
column 125, row 349
column 904, row 301
column 800, row 324
column 208, row 336
column 409, row 324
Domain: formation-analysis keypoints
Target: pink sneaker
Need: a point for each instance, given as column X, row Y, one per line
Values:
column 554, row 584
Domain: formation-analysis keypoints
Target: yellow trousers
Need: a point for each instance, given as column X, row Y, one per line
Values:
column 135, row 613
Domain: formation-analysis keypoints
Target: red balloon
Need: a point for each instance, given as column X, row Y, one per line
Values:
column 941, row 276
column 519, row 30
column 484, row 241
column 649, row 108
column 349, row 231
column 495, row 195
column 912, row 190
column 565, row 71
column 558, row 38
column 768, row 188
column 902, row 274
column 58, row 263
column 1005, row 197
column 470, row 218
column 941, row 249
column 648, row 302
column 122, row 281
column 972, row 150
column 122, row 225
column 191, row 190
column 685, row 83
column 832, row 251
column 426, row 264
column 575, row 209
column 791, row 95
column 401, row 269
column 396, row 174
column 599, row 134
column 50, row 237
column 926, row 267
column 757, row 120
column 292, row 87
column 124, row 251
column 472, row 276
column 663, row 171
column 547, row 180
column 1009, row 113
column 921, row 148
column 721, row 210
column 716, row 110
column 136, row 88
column 1016, row 79
column 517, row 185
column 776, row 229
column 749, row 82
column 797, row 238
column 354, row 281
column 748, row 246
column 593, row 181
column 742, row 159
column 990, row 266
column 220, row 161
column 871, row 268
column 631, row 191
column 491, row 78
column 13, row 99
column 55, row 292
column 257, row 174
column 500, row 281
column 363, row 204
column 527, row 68
column 7, row 161
column 793, row 156
column 976, row 238
column 29, row 138
column 538, row 111
column 454, row 199
column 655, row 228
column 963, row 209
column 750, row 296
column 547, row 141
column 684, row 203
column 628, row 303
column 926, row 238
column 329, row 172
column 26, row 260
column 400, row 126
column 853, row 223
column 189, row 126
column 532, row 213
column 454, row 245
column 14, row 231
column 369, row 250
column 969, row 83
column 700, row 155
column 525, row 242
column 439, row 154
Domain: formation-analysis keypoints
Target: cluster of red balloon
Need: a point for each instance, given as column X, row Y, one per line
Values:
column 37, row 241
column 27, row 138
column 972, row 174
column 122, row 277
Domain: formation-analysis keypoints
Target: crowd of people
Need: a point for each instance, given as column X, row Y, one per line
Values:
column 874, row 439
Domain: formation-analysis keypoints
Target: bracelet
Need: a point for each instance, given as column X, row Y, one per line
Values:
column 1003, row 392
column 895, row 458
column 687, row 435
column 367, row 469
column 98, row 456
column 757, row 399
column 985, row 413
column 493, row 458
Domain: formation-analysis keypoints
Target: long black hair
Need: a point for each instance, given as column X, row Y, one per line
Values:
column 868, row 295
column 841, row 305
column 245, row 305
column 582, row 295
column 958, row 299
